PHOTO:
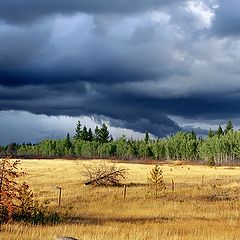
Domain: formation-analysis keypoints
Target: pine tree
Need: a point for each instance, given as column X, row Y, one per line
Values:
column 97, row 134
column 210, row 133
column 84, row 134
column 26, row 206
column 68, row 143
column 220, row 131
column 156, row 182
column 102, row 134
column 78, row 131
column 229, row 127
column 146, row 139
column 90, row 135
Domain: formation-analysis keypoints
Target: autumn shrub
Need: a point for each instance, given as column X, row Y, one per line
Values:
column 17, row 201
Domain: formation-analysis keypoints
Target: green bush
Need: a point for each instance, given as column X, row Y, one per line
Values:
column 27, row 210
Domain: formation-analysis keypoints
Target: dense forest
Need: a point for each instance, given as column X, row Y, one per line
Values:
column 221, row 146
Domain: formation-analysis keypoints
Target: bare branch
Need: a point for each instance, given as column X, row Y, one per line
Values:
column 104, row 175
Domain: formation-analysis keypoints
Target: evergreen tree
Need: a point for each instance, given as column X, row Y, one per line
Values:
column 229, row 127
column 210, row 133
column 156, row 182
column 68, row 142
column 78, row 131
column 84, row 134
column 26, row 205
column 97, row 134
column 102, row 134
column 220, row 131
column 90, row 135
column 146, row 139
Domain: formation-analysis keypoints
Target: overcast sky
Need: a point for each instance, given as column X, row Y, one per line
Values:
column 156, row 65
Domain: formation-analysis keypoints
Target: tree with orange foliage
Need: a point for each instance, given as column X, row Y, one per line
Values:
column 8, row 188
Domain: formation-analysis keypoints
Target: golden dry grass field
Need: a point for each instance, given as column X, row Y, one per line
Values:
column 196, row 210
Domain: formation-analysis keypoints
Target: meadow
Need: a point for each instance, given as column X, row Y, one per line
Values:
column 205, row 203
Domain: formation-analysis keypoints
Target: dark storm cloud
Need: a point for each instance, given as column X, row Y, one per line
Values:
column 37, row 56
column 227, row 20
column 20, row 11
column 121, row 109
column 134, row 63
column 164, row 126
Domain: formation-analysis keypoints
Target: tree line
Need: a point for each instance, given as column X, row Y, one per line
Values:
column 221, row 146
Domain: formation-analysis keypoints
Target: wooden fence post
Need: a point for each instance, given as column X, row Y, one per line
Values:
column 173, row 186
column 124, row 192
column 59, row 196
